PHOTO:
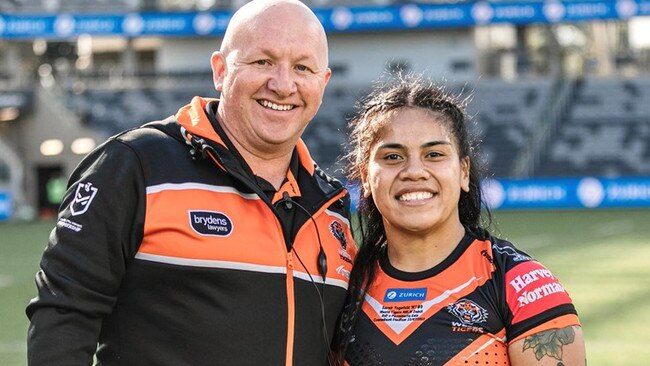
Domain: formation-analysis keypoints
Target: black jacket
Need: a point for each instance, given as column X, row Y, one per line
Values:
column 167, row 252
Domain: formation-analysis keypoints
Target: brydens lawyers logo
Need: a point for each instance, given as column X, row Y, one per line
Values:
column 210, row 223
column 468, row 312
column 82, row 198
column 405, row 294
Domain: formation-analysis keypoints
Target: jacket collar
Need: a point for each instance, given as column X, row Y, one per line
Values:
column 198, row 119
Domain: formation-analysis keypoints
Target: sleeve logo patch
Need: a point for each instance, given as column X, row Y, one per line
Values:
column 210, row 223
column 82, row 198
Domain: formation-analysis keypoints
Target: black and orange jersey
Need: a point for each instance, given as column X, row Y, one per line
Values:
column 168, row 252
column 464, row 311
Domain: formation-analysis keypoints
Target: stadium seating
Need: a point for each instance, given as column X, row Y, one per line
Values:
column 506, row 115
column 606, row 132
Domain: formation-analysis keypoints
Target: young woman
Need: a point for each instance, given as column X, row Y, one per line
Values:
column 430, row 286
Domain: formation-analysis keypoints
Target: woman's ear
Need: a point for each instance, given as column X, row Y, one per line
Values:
column 465, row 165
column 366, row 189
column 365, row 186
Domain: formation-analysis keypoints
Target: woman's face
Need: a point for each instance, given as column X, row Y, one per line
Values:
column 415, row 174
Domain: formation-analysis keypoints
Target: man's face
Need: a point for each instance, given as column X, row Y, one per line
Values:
column 272, row 79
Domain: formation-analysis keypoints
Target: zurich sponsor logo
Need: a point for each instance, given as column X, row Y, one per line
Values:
column 626, row 8
column 482, row 12
column 133, row 24
column 342, row 18
column 554, row 11
column 210, row 223
column 204, row 23
column 405, row 294
column 411, row 15
column 591, row 192
column 64, row 25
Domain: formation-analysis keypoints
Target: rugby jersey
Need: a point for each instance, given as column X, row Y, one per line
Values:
column 168, row 252
column 465, row 310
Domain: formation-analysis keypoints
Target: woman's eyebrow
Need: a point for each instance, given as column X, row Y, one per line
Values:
column 434, row 143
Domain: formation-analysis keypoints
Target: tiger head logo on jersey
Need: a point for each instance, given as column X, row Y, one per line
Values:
column 468, row 312
column 337, row 230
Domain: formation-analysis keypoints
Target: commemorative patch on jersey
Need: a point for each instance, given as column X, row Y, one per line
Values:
column 210, row 223
column 405, row 294
column 83, row 197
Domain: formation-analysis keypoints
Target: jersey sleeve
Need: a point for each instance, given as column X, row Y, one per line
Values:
column 536, row 300
column 98, row 229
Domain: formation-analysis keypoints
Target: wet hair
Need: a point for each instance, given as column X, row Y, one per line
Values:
column 402, row 91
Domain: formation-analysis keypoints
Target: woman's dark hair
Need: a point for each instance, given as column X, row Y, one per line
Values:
column 403, row 91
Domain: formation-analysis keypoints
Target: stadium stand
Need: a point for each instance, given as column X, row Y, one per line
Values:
column 506, row 114
column 606, row 132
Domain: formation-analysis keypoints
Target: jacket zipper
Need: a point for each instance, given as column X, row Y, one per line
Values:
column 291, row 310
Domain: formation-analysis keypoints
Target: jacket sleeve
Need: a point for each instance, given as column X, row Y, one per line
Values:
column 98, row 230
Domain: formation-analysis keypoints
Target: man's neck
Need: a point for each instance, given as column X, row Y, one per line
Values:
column 273, row 170
column 272, row 166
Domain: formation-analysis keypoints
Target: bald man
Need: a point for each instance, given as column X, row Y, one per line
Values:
column 210, row 237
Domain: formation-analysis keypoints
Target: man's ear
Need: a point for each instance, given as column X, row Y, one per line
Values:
column 328, row 75
column 218, row 64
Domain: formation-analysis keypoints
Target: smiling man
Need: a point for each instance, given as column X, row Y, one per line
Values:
column 206, row 238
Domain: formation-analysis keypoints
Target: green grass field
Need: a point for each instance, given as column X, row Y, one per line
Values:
column 601, row 257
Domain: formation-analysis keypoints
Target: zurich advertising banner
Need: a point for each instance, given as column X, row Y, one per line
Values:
column 554, row 193
column 338, row 19
column 5, row 205
column 569, row 193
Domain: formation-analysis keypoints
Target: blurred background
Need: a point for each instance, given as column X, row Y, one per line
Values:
column 559, row 94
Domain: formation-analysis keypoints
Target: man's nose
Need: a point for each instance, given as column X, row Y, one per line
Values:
column 283, row 82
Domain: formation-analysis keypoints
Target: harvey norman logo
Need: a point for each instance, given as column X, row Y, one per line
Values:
column 535, row 285
column 405, row 294
column 210, row 223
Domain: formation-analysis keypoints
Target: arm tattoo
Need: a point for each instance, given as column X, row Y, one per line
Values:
column 550, row 342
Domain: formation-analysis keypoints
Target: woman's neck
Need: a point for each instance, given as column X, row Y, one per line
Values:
column 417, row 252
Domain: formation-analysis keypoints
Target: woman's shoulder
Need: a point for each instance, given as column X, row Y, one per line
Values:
column 502, row 251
